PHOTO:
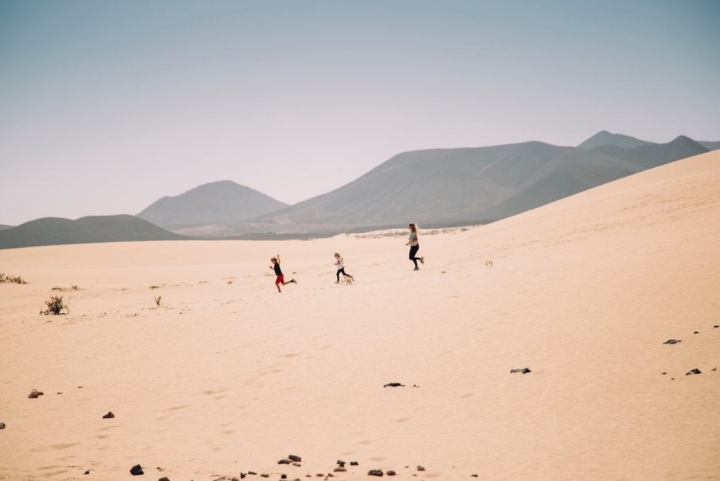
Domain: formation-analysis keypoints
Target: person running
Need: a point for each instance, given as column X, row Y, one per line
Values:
column 414, row 246
column 341, row 268
column 280, row 279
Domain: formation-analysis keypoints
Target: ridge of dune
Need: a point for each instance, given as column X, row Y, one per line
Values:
column 227, row 376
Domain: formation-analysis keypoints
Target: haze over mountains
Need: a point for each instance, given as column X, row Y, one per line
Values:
column 433, row 187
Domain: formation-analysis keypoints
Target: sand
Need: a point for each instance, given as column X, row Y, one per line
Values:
column 227, row 376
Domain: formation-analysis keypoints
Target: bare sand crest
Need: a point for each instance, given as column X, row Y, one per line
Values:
column 227, row 376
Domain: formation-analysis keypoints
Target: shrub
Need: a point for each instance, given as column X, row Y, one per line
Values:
column 13, row 279
column 55, row 306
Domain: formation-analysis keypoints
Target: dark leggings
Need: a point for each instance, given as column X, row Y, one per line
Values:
column 413, row 251
column 343, row 273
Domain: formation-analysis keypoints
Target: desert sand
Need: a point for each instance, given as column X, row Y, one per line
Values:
column 228, row 376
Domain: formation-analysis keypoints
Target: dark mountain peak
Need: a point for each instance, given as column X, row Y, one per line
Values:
column 684, row 140
column 618, row 140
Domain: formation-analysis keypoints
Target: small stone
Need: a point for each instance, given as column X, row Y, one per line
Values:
column 375, row 472
column 354, row 463
column 2, row 425
column 109, row 415
column 713, row 369
column 340, row 469
column 86, row 472
column 295, row 458
column 664, row 373
column 284, row 461
column 136, row 470
column 672, row 341
column 166, row 479
column 696, row 332
column 283, row 476
column 35, row 394
column 253, row 473
column 474, row 475
column 391, row 473
column 523, row 370
column 341, row 463
column 420, row 468
column 394, row 384
column 693, row 371
column 715, row 327
column 297, row 464
column 264, row 475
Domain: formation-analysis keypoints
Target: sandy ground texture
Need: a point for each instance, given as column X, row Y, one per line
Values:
column 227, row 376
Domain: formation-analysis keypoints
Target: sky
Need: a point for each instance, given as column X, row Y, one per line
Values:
column 107, row 106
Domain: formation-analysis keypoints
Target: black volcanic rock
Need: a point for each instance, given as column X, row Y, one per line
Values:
column 216, row 202
column 136, row 470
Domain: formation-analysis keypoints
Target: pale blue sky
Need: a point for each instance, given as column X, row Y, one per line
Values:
column 107, row 106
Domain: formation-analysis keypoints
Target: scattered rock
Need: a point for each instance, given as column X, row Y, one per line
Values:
column 136, row 470
column 672, row 341
column 664, row 373
column 696, row 332
column 393, row 384
column 2, row 425
column 340, row 469
column 86, row 472
column 693, row 371
column 264, row 475
column 341, row 463
column 354, row 463
column 421, row 468
column 375, row 472
column 163, row 479
column 474, row 475
column 523, row 370
column 283, row 476
column 296, row 464
column 297, row 459
column 253, row 473
column 35, row 394
column 715, row 327
column 713, row 369
column 109, row 415
column 391, row 473
column 284, row 461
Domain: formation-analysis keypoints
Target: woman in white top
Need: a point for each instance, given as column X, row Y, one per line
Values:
column 414, row 246
column 340, row 268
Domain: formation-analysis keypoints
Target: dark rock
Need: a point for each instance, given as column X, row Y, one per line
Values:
column 86, row 472
column 109, row 415
column 340, row 469
column 713, row 369
column 664, row 373
column 35, row 394
column 283, row 476
column 136, row 470
column 163, row 479
column 394, row 384
column 264, row 475
column 696, row 332
column 252, row 473
column 354, row 463
column 523, row 370
column 341, row 463
column 284, row 461
column 693, row 371
column 672, row 341
column 297, row 459
column 715, row 327
column 297, row 464
column 2, row 425
column 474, row 475
column 375, row 472
column 391, row 473
column 420, row 468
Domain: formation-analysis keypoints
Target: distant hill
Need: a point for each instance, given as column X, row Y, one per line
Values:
column 649, row 156
column 450, row 185
column 3, row 227
column 710, row 145
column 618, row 140
column 223, row 201
column 87, row 230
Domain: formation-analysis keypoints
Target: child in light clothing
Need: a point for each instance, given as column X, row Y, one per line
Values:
column 340, row 268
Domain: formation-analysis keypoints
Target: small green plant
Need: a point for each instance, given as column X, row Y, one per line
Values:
column 55, row 306
column 12, row 279
column 157, row 300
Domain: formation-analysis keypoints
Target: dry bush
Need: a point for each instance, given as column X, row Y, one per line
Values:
column 12, row 279
column 55, row 306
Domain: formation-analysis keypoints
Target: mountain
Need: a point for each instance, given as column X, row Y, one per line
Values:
column 618, row 140
column 3, row 227
column 86, row 230
column 710, row 145
column 649, row 156
column 223, row 201
column 453, row 185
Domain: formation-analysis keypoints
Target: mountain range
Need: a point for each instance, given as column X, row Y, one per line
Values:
column 434, row 187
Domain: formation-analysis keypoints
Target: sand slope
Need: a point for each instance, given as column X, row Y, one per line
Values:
column 225, row 377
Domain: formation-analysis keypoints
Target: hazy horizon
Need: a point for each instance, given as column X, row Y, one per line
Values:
column 106, row 107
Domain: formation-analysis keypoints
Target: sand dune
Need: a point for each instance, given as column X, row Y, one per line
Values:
column 228, row 376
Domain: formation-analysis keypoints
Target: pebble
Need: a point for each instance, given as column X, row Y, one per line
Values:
column 375, row 472
column 109, row 415
column 693, row 371
column 295, row 458
column 35, row 394
column 2, row 425
column 672, row 341
column 524, row 370
column 394, row 384
column 136, row 470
